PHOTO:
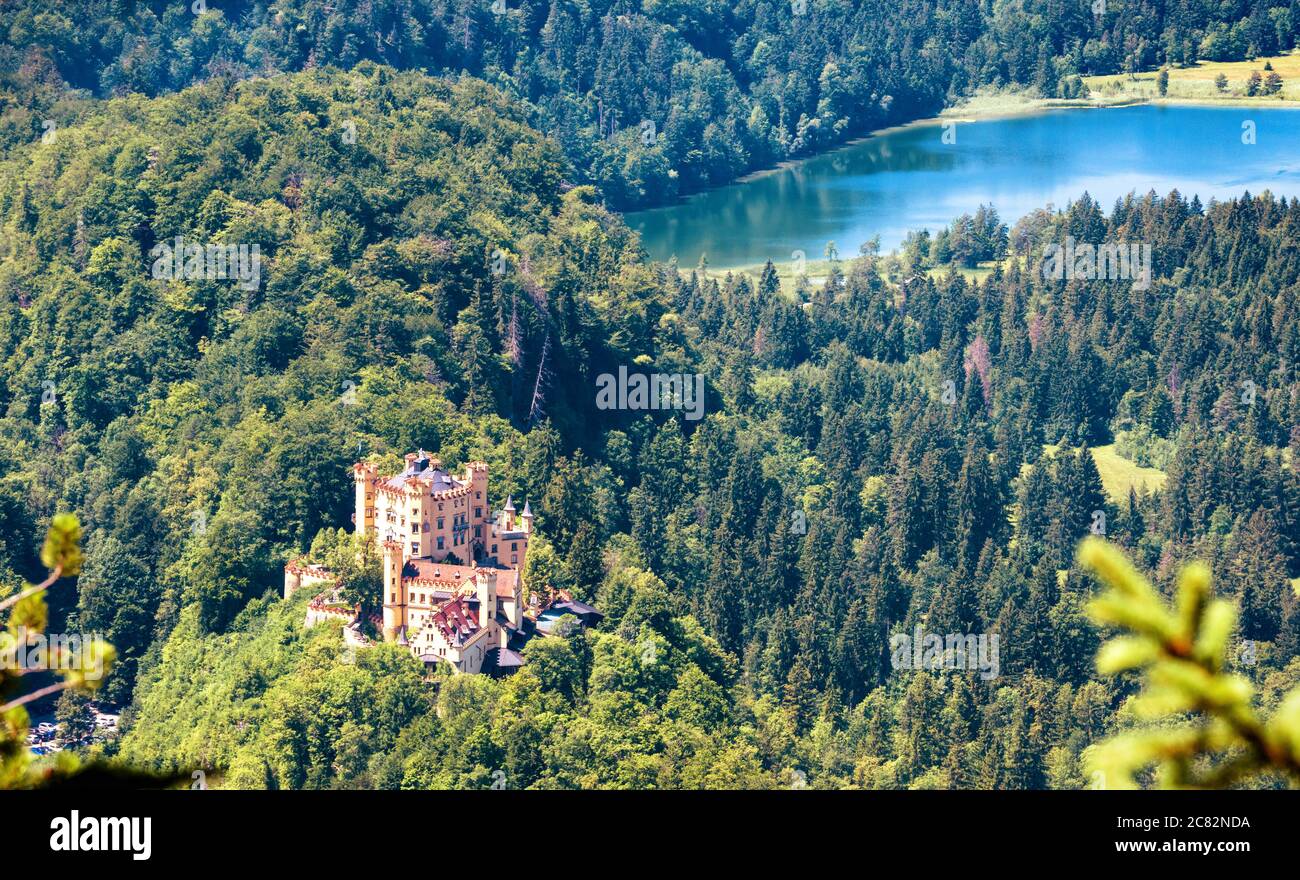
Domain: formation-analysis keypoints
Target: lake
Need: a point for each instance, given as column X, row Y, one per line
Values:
column 910, row 179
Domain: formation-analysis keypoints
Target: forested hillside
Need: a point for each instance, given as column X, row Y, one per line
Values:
column 650, row 98
column 887, row 450
column 381, row 309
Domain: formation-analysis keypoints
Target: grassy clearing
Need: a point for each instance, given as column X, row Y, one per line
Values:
column 1197, row 83
column 1118, row 474
column 1186, row 85
column 817, row 271
column 992, row 103
column 981, row 271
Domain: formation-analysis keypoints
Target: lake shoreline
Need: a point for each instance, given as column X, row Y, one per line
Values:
column 1028, row 106
column 988, row 105
column 1038, row 106
column 873, row 190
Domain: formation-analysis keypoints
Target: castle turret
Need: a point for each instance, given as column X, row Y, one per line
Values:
column 508, row 514
column 479, row 507
column 394, row 594
column 476, row 474
column 363, row 516
column 527, row 518
column 487, row 596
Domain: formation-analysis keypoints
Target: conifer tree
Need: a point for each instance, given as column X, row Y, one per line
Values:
column 586, row 569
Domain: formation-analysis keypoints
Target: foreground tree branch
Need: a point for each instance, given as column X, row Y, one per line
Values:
column 1206, row 732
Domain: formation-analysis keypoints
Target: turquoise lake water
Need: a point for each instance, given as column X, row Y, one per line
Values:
column 910, row 179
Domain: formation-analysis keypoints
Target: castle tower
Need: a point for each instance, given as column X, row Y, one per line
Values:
column 527, row 519
column 487, row 596
column 363, row 474
column 479, row 507
column 508, row 524
column 476, row 474
column 394, row 593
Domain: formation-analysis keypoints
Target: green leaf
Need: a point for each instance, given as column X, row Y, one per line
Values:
column 30, row 613
column 62, row 548
column 1126, row 652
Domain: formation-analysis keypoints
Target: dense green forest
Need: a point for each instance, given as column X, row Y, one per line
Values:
column 892, row 448
column 649, row 98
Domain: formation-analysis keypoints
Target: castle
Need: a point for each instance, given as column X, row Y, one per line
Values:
column 427, row 525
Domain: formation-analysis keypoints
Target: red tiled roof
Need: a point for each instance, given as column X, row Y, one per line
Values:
column 454, row 621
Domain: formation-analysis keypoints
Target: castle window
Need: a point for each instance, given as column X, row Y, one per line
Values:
column 478, row 531
column 514, row 559
column 478, row 513
column 440, row 544
column 494, row 549
column 514, row 545
column 415, row 547
column 440, row 523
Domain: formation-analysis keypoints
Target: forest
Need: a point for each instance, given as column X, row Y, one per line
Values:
column 901, row 446
column 650, row 99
